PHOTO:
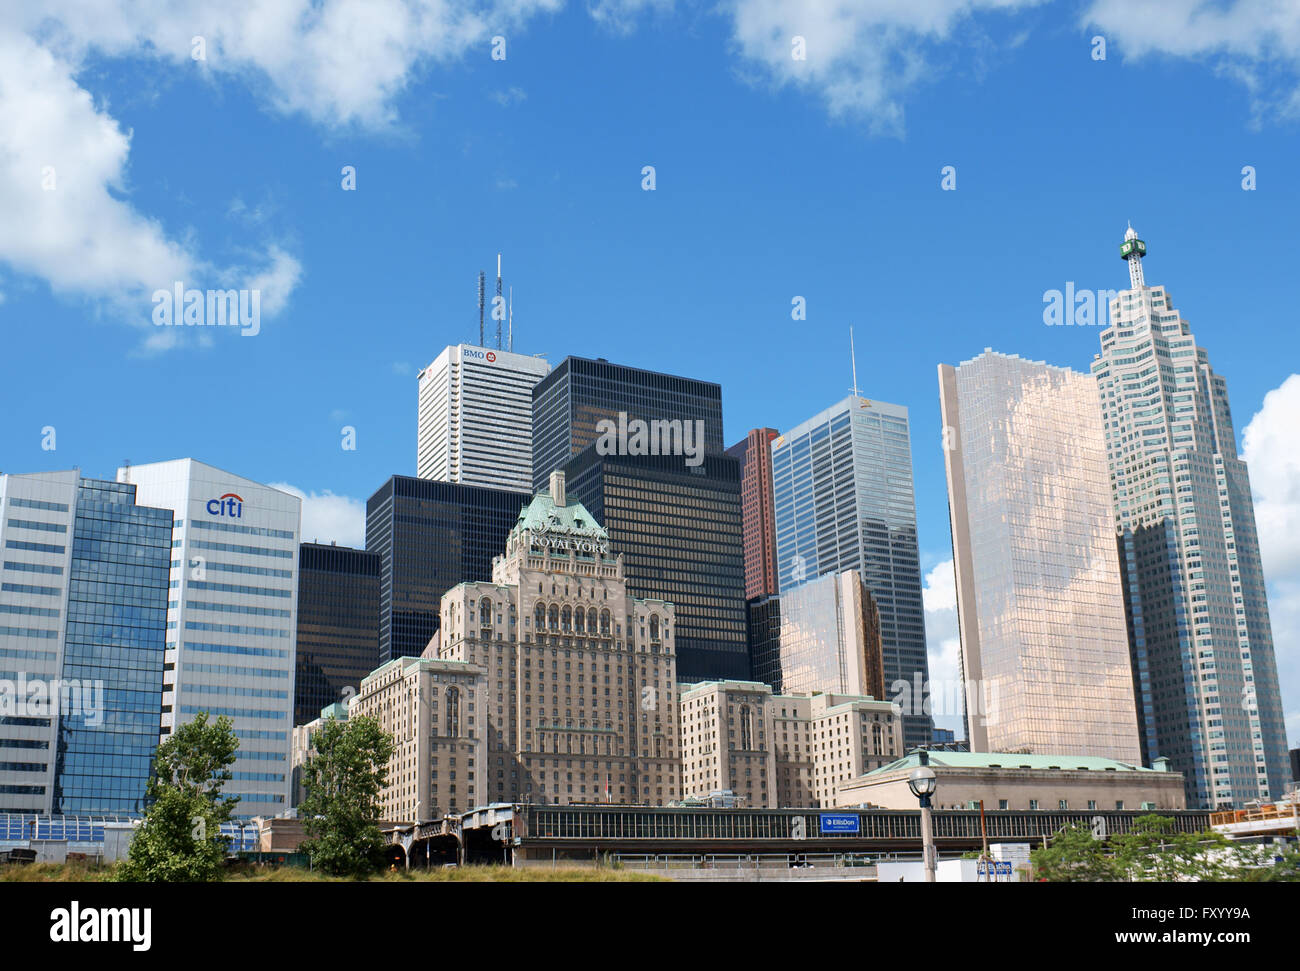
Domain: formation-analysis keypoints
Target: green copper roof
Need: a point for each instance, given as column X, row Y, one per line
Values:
column 542, row 515
column 1009, row 760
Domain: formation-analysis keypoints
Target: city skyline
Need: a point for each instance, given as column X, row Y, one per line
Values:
column 458, row 158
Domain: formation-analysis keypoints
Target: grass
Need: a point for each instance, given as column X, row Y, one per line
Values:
column 248, row 873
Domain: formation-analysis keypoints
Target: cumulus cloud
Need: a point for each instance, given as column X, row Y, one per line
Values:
column 1256, row 42
column 939, row 595
column 64, row 185
column 862, row 57
column 327, row 518
column 1271, row 447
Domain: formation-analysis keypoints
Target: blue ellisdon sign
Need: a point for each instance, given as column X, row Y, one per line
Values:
column 839, row 823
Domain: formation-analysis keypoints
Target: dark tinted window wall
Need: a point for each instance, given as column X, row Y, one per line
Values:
column 338, row 625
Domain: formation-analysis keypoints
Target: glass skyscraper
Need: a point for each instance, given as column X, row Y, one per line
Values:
column 231, row 625
column 830, row 638
column 1200, row 636
column 680, row 533
column 83, row 613
column 574, row 398
column 430, row 536
column 338, row 625
column 842, row 481
column 1044, row 643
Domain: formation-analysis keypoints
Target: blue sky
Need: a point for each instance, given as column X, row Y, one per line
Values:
column 775, row 178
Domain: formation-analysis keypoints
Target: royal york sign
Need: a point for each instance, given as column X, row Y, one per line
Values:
column 575, row 541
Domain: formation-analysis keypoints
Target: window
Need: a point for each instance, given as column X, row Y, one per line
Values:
column 1003, row 804
column 1033, row 803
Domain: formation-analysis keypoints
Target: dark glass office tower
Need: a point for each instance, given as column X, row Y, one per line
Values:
column 338, row 625
column 113, row 651
column 579, row 393
column 764, row 621
column 431, row 536
column 679, row 530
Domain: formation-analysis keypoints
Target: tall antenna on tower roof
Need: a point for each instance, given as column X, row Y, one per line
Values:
column 853, row 356
column 482, row 282
column 510, row 345
column 496, row 305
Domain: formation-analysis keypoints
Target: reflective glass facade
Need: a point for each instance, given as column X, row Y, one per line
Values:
column 571, row 400
column 1202, row 642
column 679, row 530
column 430, row 536
column 830, row 638
column 338, row 625
column 758, row 511
column 1044, row 640
column 842, row 483
column 116, row 634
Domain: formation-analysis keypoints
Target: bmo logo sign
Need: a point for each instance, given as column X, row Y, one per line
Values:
column 228, row 505
column 477, row 355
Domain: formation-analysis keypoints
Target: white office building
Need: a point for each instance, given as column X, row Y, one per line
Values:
column 476, row 417
column 231, row 619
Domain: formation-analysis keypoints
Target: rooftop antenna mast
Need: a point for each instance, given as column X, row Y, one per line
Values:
column 853, row 356
column 481, row 293
column 510, row 338
column 498, row 302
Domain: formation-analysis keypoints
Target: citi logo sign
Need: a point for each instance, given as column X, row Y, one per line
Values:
column 228, row 505
column 489, row 356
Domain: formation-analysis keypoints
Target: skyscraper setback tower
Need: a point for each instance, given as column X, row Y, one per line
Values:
column 1202, row 645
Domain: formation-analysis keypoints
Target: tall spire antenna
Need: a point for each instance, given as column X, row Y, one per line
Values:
column 853, row 356
column 482, row 287
column 497, row 304
column 1131, row 251
column 510, row 317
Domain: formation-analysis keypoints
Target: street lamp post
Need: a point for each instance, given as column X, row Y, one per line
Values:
column 922, row 782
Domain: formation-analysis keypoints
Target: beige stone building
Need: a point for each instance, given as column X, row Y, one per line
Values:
column 579, row 695
column 785, row 751
column 435, row 713
column 727, row 741
column 1023, row 782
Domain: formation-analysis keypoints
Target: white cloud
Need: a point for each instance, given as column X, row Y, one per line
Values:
column 327, row 518
column 621, row 16
column 861, row 57
column 943, row 644
column 64, row 192
column 1256, row 42
column 1271, row 447
column 340, row 63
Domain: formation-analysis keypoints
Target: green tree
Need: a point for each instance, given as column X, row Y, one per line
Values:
column 180, row 838
column 1285, row 870
column 1074, row 855
column 343, row 777
column 1155, row 851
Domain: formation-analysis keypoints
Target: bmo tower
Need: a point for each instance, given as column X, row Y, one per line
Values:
column 476, row 417
column 231, row 616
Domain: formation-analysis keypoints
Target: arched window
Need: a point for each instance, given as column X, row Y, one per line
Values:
column 554, row 616
column 539, row 616
column 654, row 627
column 604, row 622
column 485, row 612
column 592, row 621
column 746, row 727
column 580, row 620
column 566, row 619
column 453, row 711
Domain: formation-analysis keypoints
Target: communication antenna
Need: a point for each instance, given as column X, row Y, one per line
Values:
column 481, row 288
column 510, row 338
column 498, row 302
column 853, row 356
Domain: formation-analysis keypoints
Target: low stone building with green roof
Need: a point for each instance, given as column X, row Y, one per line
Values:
column 1008, row 780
